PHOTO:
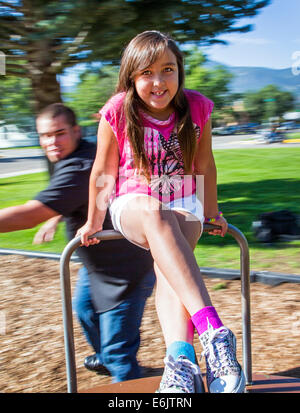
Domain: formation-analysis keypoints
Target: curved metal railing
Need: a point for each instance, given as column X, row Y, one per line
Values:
column 113, row 235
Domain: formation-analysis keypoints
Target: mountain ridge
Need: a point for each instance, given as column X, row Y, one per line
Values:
column 252, row 78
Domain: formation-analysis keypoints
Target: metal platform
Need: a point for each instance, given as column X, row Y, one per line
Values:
column 262, row 383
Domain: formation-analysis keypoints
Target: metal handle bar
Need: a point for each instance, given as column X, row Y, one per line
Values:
column 113, row 235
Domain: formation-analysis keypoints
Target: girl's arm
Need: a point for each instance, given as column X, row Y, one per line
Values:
column 204, row 164
column 102, row 182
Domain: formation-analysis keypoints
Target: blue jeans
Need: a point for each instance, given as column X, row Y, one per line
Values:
column 115, row 334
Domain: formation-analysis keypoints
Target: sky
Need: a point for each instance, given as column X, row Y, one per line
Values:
column 274, row 40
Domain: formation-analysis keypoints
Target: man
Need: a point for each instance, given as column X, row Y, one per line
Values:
column 117, row 276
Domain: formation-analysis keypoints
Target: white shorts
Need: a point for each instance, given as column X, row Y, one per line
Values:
column 189, row 204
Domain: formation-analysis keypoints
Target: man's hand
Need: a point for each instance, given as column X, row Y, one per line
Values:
column 47, row 231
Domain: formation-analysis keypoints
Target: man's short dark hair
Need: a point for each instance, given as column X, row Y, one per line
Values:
column 59, row 109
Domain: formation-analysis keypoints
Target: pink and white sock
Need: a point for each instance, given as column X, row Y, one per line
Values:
column 204, row 317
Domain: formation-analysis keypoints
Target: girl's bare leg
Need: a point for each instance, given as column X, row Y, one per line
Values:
column 159, row 229
column 174, row 319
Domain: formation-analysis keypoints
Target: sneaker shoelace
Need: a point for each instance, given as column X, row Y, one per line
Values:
column 179, row 374
column 219, row 352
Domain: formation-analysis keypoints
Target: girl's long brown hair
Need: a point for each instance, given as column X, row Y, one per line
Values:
column 141, row 53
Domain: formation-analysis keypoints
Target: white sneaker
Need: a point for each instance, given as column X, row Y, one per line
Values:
column 223, row 372
column 181, row 376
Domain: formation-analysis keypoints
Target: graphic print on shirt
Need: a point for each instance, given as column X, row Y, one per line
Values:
column 166, row 161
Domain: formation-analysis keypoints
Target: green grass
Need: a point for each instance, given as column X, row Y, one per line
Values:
column 16, row 191
column 295, row 135
column 21, row 147
column 251, row 181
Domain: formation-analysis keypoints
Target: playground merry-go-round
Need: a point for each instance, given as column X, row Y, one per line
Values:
column 42, row 348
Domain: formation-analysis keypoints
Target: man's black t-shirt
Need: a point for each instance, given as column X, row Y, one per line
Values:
column 115, row 267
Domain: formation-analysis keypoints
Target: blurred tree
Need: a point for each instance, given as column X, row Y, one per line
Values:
column 253, row 105
column 91, row 93
column 211, row 82
column 51, row 35
column 268, row 102
column 16, row 103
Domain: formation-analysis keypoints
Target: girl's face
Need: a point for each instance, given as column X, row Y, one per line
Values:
column 157, row 85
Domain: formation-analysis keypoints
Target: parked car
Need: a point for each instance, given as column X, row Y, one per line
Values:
column 225, row 130
column 249, row 127
column 269, row 136
column 12, row 136
column 286, row 126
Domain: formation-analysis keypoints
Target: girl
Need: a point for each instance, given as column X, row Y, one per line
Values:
column 155, row 170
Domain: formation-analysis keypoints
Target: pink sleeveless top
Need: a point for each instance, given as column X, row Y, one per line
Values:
column 162, row 148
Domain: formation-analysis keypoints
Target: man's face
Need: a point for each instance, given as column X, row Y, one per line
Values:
column 57, row 137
